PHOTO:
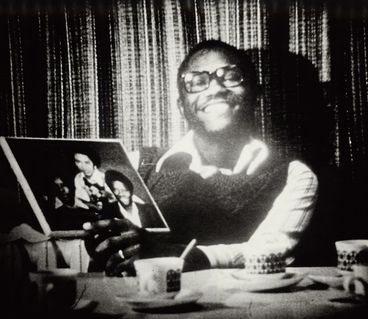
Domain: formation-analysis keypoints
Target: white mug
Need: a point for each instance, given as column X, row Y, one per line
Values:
column 159, row 276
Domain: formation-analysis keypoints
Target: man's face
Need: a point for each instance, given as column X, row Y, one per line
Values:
column 59, row 184
column 217, row 110
column 60, row 188
column 122, row 193
column 84, row 164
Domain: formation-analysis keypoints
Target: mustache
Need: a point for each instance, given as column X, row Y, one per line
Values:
column 201, row 101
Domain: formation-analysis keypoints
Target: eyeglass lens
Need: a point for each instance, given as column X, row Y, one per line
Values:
column 228, row 76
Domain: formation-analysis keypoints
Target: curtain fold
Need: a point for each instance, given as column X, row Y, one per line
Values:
column 17, row 119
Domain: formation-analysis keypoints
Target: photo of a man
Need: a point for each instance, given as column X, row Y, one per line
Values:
column 128, row 205
column 90, row 188
column 58, row 205
column 60, row 193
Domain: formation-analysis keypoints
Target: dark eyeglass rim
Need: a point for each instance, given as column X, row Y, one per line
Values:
column 210, row 74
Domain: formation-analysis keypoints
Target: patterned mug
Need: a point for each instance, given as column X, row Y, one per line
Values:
column 347, row 251
column 264, row 259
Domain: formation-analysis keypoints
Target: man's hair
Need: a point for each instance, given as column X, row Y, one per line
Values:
column 112, row 176
column 91, row 153
column 237, row 56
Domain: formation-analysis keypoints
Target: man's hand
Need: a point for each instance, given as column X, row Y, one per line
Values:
column 114, row 244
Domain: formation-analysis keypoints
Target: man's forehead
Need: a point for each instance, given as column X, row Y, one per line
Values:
column 118, row 183
column 82, row 157
column 209, row 60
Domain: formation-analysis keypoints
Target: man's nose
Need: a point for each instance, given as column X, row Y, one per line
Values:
column 214, row 87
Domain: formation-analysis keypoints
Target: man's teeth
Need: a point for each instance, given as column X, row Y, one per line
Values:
column 215, row 107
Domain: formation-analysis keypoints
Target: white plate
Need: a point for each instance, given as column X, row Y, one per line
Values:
column 266, row 282
column 146, row 303
column 241, row 274
column 345, row 272
column 332, row 281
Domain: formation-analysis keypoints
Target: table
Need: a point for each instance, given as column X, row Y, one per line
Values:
column 221, row 300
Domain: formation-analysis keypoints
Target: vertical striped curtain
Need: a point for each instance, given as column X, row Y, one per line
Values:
column 69, row 39
column 108, row 69
column 349, row 77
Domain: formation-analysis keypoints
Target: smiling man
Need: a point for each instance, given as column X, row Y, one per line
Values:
column 90, row 187
column 127, row 205
column 220, row 184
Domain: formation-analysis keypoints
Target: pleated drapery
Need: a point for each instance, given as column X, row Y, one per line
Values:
column 108, row 69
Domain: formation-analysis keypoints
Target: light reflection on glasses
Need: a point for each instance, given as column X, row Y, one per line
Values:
column 228, row 76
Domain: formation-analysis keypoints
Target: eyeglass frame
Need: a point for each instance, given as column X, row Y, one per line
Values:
column 213, row 75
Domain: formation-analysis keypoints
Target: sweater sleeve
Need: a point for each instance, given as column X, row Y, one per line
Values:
column 285, row 222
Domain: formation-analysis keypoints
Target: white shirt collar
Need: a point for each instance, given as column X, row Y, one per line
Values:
column 253, row 154
column 133, row 216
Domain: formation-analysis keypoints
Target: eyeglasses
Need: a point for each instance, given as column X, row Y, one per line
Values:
column 228, row 76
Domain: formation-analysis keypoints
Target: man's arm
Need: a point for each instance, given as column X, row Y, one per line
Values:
column 284, row 223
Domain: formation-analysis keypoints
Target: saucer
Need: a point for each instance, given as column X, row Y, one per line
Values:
column 331, row 281
column 267, row 282
column 345, row 272
column 241, row 274
column 146, row 303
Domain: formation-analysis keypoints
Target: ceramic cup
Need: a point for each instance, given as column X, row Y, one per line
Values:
column 264, row 259
column 54, row 289
column 347, row 251
column 158, row 276
column 357, row 284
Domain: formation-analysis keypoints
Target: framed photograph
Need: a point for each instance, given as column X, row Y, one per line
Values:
column 68, row 182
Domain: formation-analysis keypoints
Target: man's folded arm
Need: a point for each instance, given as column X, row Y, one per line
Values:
column 284, row 224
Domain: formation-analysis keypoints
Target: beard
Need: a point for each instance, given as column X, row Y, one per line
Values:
column 241, row 122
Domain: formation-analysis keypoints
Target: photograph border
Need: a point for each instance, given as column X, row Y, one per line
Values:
column 33, row 202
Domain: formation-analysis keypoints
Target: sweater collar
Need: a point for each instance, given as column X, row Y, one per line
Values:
column 253, row 154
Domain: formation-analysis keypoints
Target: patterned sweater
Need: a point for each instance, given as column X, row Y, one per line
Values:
column 218, row 210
